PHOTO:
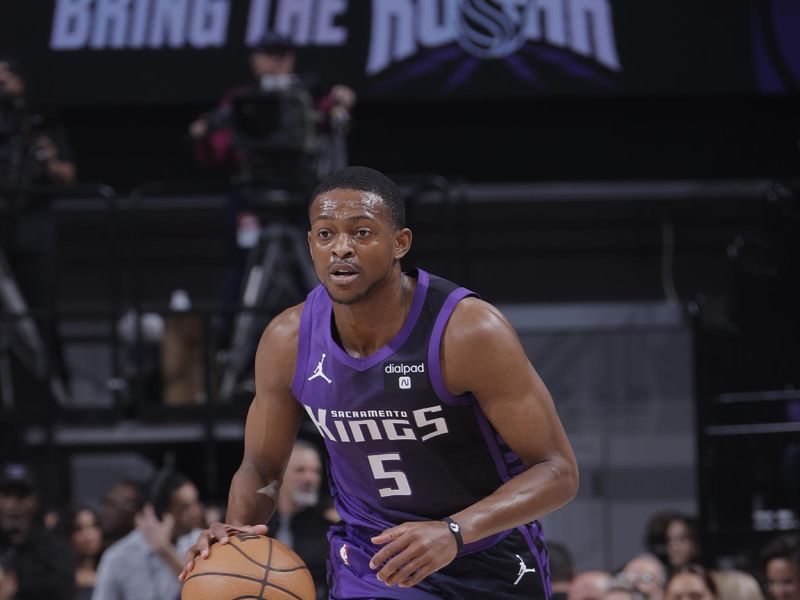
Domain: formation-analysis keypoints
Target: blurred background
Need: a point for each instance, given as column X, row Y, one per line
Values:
column 621, row 178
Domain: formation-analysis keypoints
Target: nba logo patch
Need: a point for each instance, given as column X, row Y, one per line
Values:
column 343, row 555
column 404, row 383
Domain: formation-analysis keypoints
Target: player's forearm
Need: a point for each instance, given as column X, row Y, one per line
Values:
column 537, row 491
column 252, row 498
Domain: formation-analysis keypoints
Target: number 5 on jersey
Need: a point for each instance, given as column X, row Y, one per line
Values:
column 377, row 464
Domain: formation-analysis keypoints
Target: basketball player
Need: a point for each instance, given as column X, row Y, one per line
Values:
column 444, row 444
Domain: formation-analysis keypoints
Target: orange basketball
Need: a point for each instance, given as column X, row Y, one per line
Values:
column 249, row 566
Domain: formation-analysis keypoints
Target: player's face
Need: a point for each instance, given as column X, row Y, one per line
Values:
column 783, row 579
column 354, row 243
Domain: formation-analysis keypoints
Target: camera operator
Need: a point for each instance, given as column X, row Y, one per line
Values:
column 35, row 162
column 34, row 157
column 272, row 63
column 218, row 143
column 32, row 152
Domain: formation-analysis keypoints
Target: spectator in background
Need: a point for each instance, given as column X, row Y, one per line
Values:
column 647, row 574
column 33, row 153
column 165, row 528
column 691, row 582
column 682, row 543
column 43, row 562
column 213, row 512
column 562, row 569
column 621, row 589
column 8, row 581
column 81, row 526
column 51, row 519
column 589, row 585
column 736, row 585
column 298, row 521
column 272, row 64
column 655, row 537
column 118, row 510
column 32, row 150
column 780, row 563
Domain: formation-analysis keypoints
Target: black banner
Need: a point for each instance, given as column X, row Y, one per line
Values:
column 168, row 52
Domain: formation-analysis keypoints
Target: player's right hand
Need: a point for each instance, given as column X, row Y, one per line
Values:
column 217, row 532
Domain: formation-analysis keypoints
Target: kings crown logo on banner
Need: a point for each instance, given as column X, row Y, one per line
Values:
column 575, row 36
column 491, row 28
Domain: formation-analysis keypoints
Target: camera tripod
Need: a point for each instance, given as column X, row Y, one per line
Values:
column 278, row 273
column 20, row 334
column 284, row 160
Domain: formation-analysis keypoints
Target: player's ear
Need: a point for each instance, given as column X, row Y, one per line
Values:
column 402, row 242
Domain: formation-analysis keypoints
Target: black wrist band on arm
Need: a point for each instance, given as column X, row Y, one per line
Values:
column 455, row 529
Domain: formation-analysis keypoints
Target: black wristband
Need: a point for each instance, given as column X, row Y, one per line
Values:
column 455, row 529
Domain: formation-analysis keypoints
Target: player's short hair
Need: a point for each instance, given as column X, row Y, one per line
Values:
column 364, row 179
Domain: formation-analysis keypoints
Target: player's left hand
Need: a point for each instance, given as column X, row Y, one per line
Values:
column 412, row 552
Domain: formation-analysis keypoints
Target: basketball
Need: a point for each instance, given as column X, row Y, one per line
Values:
column 249, row 566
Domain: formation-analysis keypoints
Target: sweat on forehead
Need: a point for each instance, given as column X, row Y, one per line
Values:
column 333, row 199
column 349, row 203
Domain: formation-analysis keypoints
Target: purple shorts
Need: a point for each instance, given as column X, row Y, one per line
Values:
column 513, row 569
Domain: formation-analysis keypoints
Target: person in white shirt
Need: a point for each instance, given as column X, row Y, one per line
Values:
column 144, row 565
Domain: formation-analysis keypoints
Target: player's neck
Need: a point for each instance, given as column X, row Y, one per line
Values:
column 365, row 327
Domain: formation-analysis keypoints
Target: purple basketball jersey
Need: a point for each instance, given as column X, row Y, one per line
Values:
column 402, row 448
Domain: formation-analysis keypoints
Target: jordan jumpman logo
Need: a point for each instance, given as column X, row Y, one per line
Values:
column 523, row 568
column 318, row 371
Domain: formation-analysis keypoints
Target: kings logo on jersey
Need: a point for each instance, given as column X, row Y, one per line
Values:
column 404, row 376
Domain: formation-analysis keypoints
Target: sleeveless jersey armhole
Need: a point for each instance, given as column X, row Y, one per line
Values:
column 303, row 347
column 435, row 348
